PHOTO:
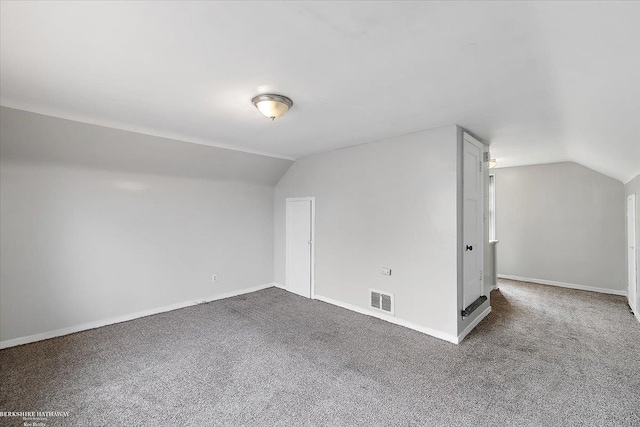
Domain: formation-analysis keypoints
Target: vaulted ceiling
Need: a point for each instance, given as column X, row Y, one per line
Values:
column 542, row 82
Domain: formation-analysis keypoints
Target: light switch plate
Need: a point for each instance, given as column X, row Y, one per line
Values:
column 385, row 271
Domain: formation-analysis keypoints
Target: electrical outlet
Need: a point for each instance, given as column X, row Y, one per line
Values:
column 214, row 278
column 385, row 271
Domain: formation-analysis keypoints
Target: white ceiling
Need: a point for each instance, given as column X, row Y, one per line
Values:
column 543, row 82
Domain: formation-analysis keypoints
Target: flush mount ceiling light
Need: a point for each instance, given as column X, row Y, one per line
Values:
column 272, row 106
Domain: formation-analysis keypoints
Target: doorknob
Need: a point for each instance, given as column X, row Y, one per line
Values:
column 469, row 248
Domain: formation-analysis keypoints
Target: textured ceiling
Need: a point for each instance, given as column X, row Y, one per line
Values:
column 541, row 82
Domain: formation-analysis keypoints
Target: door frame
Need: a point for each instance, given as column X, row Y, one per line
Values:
column 481, row 173
column 288, row 200
column 632, row 243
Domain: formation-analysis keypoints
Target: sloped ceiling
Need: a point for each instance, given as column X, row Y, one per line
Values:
column 34, row 138
column 543, row 82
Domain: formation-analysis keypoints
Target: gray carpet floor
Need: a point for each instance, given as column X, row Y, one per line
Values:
column 545, row 356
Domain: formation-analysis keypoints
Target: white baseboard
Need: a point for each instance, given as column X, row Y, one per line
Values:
column 564, row 285
column 633, row 310
column 473, row 324
column 98, row 323
column 390, row 319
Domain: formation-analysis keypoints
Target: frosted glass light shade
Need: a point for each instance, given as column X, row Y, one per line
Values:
column 272, row 106
column 492, row 163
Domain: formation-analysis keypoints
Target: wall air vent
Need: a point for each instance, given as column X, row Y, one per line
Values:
column 375, row 300
column 382, row 301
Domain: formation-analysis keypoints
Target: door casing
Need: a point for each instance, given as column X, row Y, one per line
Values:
column 632, row 248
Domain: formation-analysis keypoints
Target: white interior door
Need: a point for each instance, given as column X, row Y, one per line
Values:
column 631, row 251
column 473, row 241
column 299, row 274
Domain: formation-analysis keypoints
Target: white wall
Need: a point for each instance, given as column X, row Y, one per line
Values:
column 633, row 187
column 561, row 222
column 98, row 223
column 390, row 204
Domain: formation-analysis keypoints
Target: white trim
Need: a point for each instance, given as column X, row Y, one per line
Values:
column 432, row 332
column 473, row 324
column 492, row 208
column 473, row 139
column 564, row 285
column 284, row 288
column 126, row 317
column 313, row 240
column 632, row 244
